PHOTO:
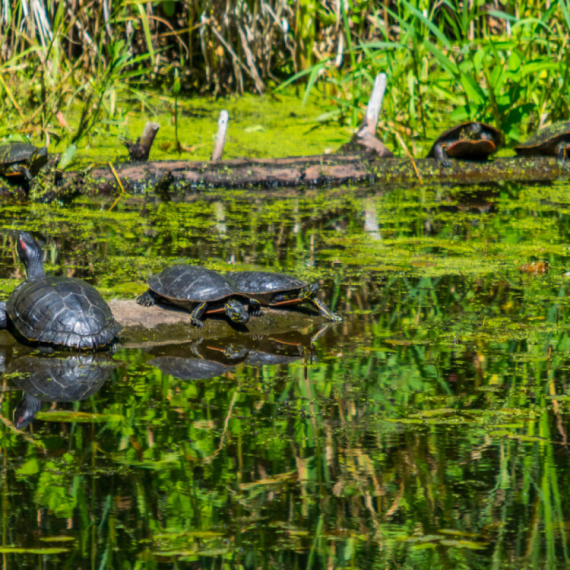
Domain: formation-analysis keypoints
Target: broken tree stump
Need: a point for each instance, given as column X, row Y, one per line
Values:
column 139, row 151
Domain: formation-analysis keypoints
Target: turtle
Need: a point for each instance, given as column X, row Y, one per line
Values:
column 279, row 290
column 22, row 159
column 199, row 291
column 56, row 379
column 552, row 140
column 469, row 140
column 60, row 311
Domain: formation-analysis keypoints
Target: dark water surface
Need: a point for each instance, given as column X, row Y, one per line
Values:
column 428, row 430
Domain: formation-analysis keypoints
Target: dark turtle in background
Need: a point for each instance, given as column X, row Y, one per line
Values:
column 552, row 140
column 200, row 360
column 60, row 311
column 279, row 290
column 199, row 291
column 59, row 378
column 471, row 140
column 21, row 159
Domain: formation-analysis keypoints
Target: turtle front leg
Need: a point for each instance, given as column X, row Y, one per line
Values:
column 440, row 153
column 20, row 170
column 146, row 299
column 196, row 313
column 3, row 316
column 562, row 155
column 255, row 308
column 325, row 311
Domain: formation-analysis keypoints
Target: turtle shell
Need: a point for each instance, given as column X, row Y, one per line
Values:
column 545, row 141
column 14, row 152
column 181, row 284
column 62, row 311
column 262, row 282
column 466, row 148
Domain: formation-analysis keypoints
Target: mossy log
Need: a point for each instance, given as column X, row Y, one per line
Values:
column 157, row 325
column 315, row 171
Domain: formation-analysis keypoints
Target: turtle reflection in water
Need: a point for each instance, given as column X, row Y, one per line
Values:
column 198, row 290
column 284, row 349
column 200, row 360
column 56, row 379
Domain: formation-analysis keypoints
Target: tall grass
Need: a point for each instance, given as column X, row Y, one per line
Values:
column 506, row 63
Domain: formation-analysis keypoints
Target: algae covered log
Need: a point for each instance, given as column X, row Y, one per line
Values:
column 320, row 170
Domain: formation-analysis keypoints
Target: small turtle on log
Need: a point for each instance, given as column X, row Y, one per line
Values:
column 19, row 159
column 279, row 290
column 552, row 140
column 471, row 140
column 198, row 290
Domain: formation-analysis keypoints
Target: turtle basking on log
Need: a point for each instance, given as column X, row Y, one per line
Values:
column 199, row 291
column 60, row 311
column 19, row 159
column 279, row 290
column 553, row 140
column 471, row 140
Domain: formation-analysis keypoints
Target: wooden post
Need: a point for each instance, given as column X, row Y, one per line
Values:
column 140, row 150
column 364, row 140
column 221, row 136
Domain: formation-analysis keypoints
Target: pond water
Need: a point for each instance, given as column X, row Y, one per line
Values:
column 428, row 430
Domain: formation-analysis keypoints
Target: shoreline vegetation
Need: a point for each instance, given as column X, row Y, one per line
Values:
column 69, row 69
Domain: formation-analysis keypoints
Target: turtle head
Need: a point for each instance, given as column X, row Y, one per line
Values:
column 37, row 159
column 236, row 311
column 475, row 130
column 308, row 292
column 30, row 254
column 26, row 411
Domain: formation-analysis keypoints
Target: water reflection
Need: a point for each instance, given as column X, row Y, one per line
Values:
column 200, row 360
column 56, row 378
column 428, row 430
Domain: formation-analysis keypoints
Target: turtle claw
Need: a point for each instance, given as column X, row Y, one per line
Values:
column 445, row 162
column 198, row 323
column 255, row 308
column 146, row 299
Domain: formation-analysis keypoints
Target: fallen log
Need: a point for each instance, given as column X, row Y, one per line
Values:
column 317, row 171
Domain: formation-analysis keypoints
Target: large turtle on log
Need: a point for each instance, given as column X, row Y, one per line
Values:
column 552, row 140
column 471, row 140
column 60, row 311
